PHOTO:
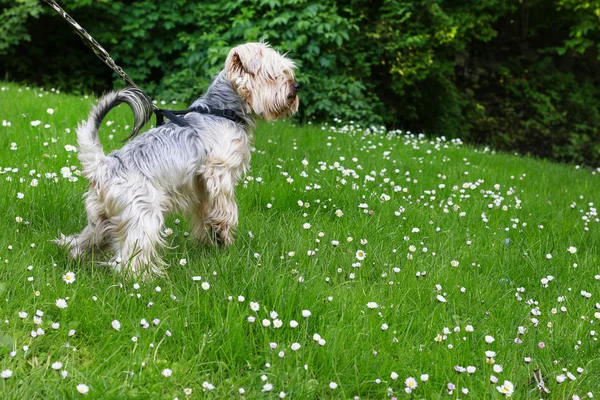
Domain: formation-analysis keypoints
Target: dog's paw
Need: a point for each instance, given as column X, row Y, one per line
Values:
column 64, row 241
column 224, row 238
column 220, row 237
column 70, row 243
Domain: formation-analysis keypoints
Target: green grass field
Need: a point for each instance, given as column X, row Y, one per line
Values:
column 465, row 252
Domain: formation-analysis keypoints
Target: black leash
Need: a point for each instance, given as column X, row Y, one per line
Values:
column 92, row 43
column 172, row 115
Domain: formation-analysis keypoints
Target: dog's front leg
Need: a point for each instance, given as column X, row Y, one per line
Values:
column 220, row 209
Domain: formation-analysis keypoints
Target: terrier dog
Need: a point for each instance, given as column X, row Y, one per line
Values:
column 191, row 169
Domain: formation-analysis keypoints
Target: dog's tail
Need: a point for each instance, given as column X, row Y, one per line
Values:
column 91, row 153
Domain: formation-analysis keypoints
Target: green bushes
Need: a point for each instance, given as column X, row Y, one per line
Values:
column 517, row 75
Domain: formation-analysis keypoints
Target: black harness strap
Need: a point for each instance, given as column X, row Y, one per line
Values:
column 161, row 114
column 173, row 115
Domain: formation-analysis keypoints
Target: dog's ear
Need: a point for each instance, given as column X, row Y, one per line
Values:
column 245, row 58
column 243, row 66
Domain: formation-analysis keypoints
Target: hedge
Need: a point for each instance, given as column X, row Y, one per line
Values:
column 520, row 75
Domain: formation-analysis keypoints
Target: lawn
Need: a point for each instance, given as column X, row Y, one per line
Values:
column 367, row 264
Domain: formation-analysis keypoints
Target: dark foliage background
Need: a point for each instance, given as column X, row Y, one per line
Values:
column 515, row 74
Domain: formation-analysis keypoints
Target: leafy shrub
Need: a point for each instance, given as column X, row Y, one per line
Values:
column 520, row 76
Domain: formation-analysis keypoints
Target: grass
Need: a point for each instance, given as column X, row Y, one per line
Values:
column 204, row 336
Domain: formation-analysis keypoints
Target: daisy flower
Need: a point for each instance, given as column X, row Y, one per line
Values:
column 506, row 389
column 5, row 374
column 69, row 277
column 360, row 255
column 411, row 384
column 83, row 388
column 267, row 387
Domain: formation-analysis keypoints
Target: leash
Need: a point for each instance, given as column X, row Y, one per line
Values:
column 92, row 43
column 161, row 114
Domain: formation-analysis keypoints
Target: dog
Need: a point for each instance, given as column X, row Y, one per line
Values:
column 190, row 169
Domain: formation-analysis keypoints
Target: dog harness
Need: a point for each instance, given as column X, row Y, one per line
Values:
column 173, row 115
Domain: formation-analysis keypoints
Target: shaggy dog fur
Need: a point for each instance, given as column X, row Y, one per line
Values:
column 191, row 169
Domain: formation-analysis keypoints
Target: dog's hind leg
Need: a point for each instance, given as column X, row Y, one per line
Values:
column 91, row 236
column 80, row 244
column 136, row 241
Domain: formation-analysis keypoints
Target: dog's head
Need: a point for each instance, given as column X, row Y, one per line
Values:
column 264, row 79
